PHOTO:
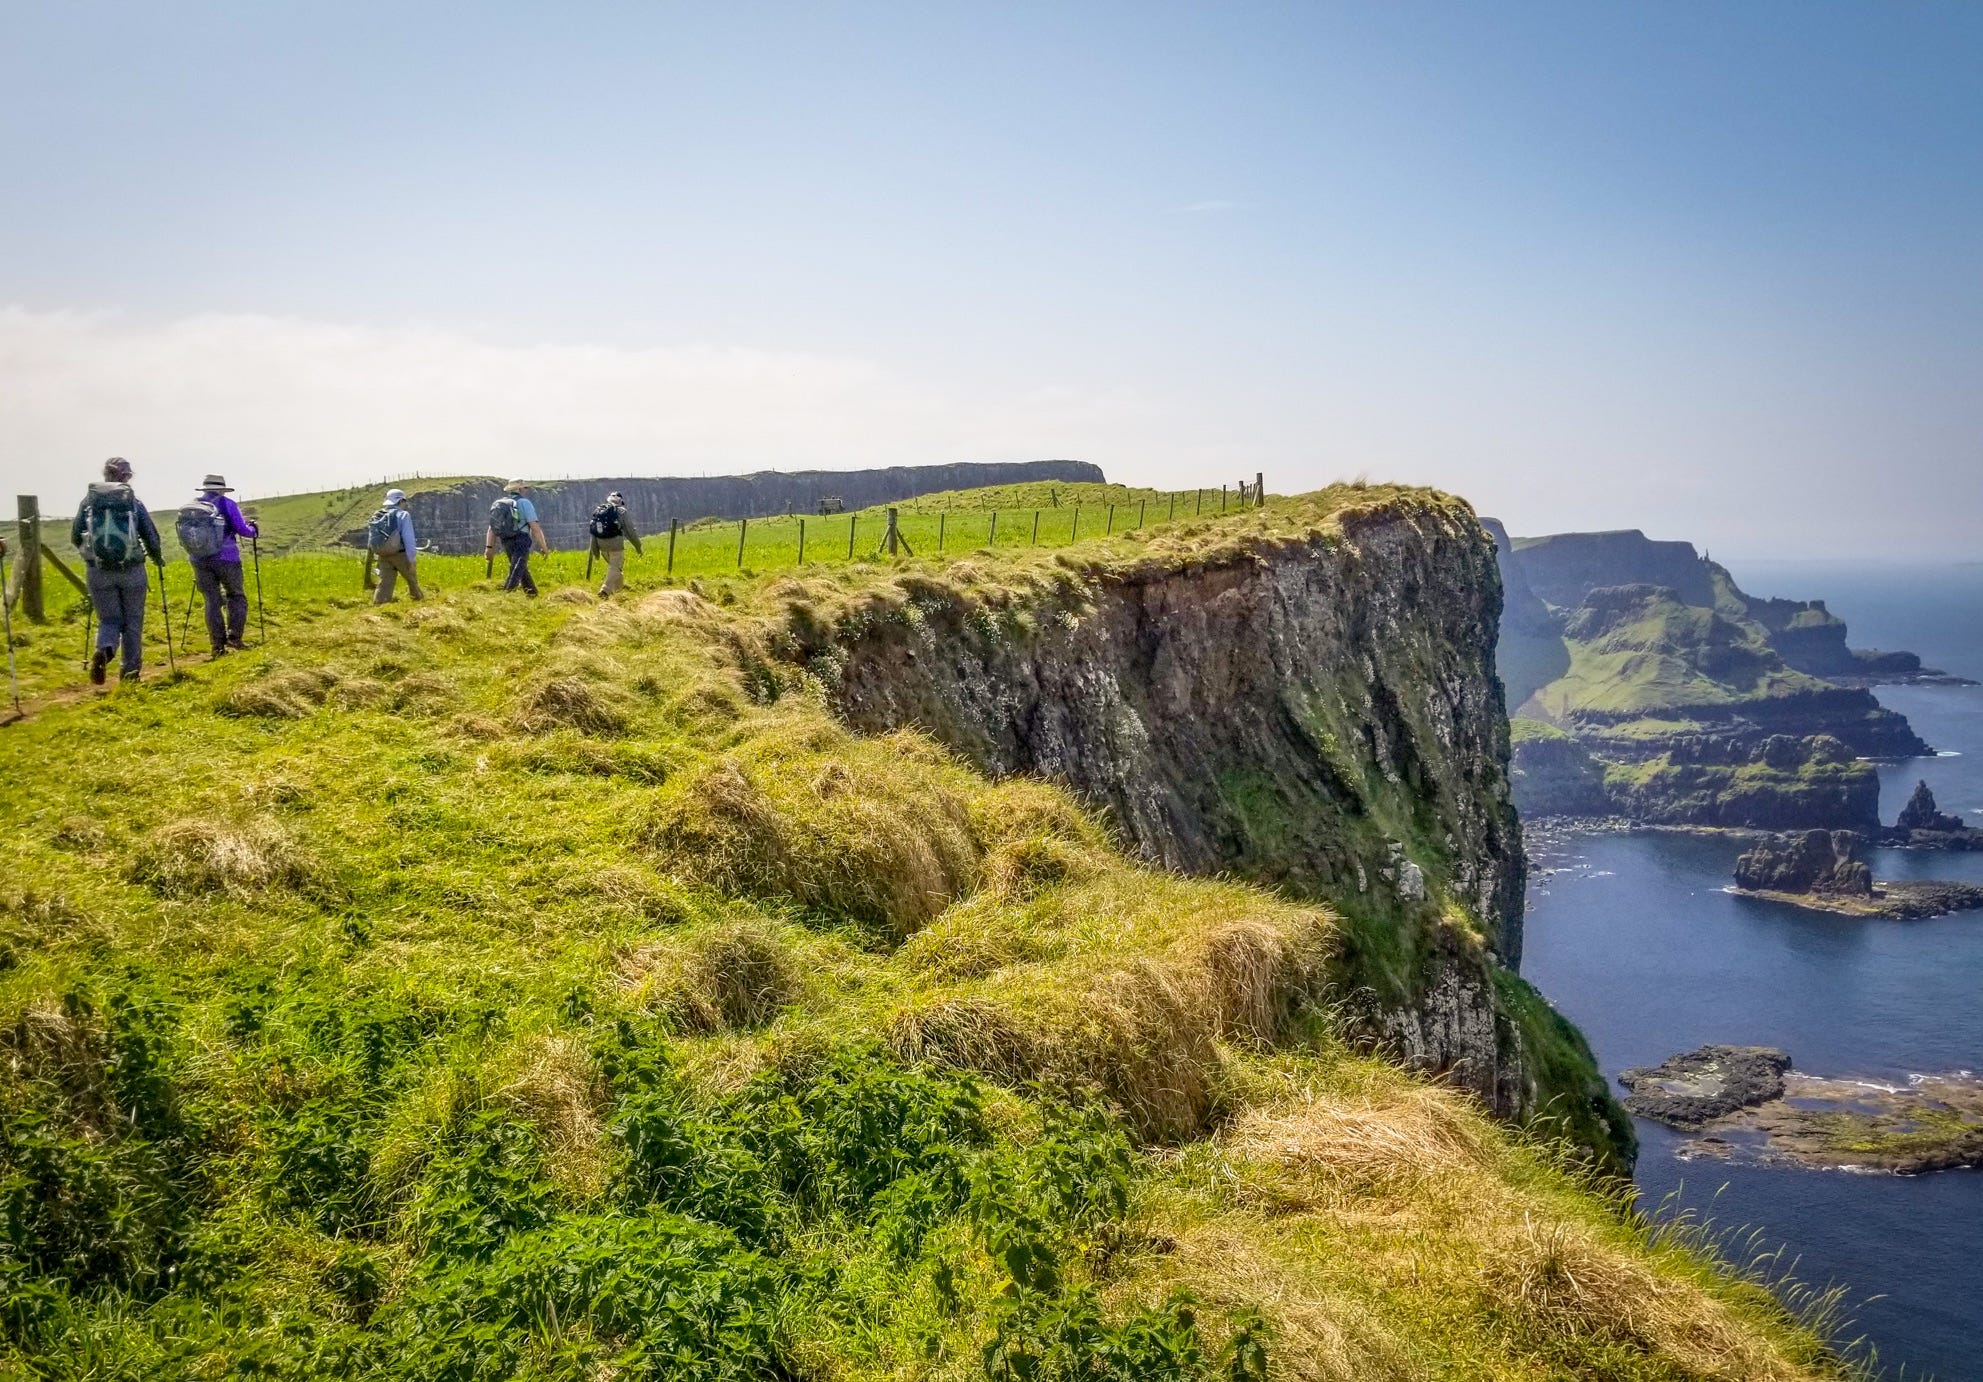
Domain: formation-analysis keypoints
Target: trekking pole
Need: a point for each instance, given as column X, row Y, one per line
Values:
column 166, row 605
column 7, row 620
column 261, row 619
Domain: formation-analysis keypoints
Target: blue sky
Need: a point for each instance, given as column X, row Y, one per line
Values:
column 1708, row 270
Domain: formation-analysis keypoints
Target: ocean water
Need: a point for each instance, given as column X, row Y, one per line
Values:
column 1636, row 939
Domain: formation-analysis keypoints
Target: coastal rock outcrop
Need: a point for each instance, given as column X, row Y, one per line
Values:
column 1310, row 706
column 1818, row 861
column 1747, row 1102
column 1921, row 813
column 1819, row 870
column 1691, row 1090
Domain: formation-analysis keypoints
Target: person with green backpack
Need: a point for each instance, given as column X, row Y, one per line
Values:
column 115, row 535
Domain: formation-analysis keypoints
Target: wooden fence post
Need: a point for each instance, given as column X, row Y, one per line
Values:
column 1201, row 500
column 851, row 520
column 802, row 542
column 1142, row 505
column 1259, row 489
column 1173, row 503
column 1074, row 531
column 991, row 539
column 941, row 516
column 1222, row 498
column 1110, row 530
column 27, row 576
column 1036, row 527
column 890, row 538
column 743, row 526
column 674, row 525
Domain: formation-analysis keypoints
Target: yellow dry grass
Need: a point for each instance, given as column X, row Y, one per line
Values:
column 835, row 824
column 196, row 856
column 1388, row 1231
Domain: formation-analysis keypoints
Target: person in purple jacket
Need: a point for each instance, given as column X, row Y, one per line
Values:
column 218, row 571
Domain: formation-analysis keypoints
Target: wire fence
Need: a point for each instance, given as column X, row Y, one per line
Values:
column 707, row 547
column 711, row 547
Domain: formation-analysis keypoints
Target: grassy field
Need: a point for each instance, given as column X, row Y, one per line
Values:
column 503, row 989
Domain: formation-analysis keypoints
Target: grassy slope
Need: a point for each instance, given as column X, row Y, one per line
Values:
column 1669, row 659
column 300, row 522
column 489, row 988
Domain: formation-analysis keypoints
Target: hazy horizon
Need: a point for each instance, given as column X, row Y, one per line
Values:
column 1709, row 273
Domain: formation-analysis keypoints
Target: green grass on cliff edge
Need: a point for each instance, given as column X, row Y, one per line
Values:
column 492, row 989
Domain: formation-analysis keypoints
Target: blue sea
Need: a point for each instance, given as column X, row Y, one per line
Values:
column 1635, row 938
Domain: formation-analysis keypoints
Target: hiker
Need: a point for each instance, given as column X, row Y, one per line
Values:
column 612, row 530
column 389, row 534
column 208, row 528
column 513, row 519
column 115, row 534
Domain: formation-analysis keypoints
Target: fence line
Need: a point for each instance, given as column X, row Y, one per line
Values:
column 706, row 546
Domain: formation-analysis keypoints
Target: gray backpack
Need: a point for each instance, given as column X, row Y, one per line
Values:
column 382, row 532
column 505, row 519
column 200, row 528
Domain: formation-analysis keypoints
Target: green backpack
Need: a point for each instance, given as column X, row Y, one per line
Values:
column 111, row 528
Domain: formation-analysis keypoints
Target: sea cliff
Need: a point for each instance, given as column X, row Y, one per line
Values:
column 1311, row 704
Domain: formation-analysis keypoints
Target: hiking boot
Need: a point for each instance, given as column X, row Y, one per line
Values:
column 129, row 674
column 220, row 650
column 238, row 645
column 98, row 662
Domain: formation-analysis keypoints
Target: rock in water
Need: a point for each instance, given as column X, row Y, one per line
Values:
column 1694, row 1089
column 1818, row 861
column 1921, row 813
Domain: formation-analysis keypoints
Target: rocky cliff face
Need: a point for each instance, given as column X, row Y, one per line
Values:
column 454, row 520
column 1311, row 705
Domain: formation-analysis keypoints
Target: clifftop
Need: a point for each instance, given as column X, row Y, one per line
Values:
column 492, row 987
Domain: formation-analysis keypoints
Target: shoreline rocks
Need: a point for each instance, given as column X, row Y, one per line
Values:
column 1697, row 1087
column 1747, row 1102
column 1819, row 872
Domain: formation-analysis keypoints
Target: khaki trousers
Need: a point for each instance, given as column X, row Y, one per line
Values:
column 614, row 550
column 393, row 565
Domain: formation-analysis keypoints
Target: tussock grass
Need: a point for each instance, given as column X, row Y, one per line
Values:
column 572, row 702
column 732, row 976
column 551, row 1081
column 291, row 694
column 826, row 821
column 194, row 857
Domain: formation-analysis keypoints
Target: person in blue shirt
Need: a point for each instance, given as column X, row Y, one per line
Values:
column 513, row 520
column 223, row 592
column 397, row 557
